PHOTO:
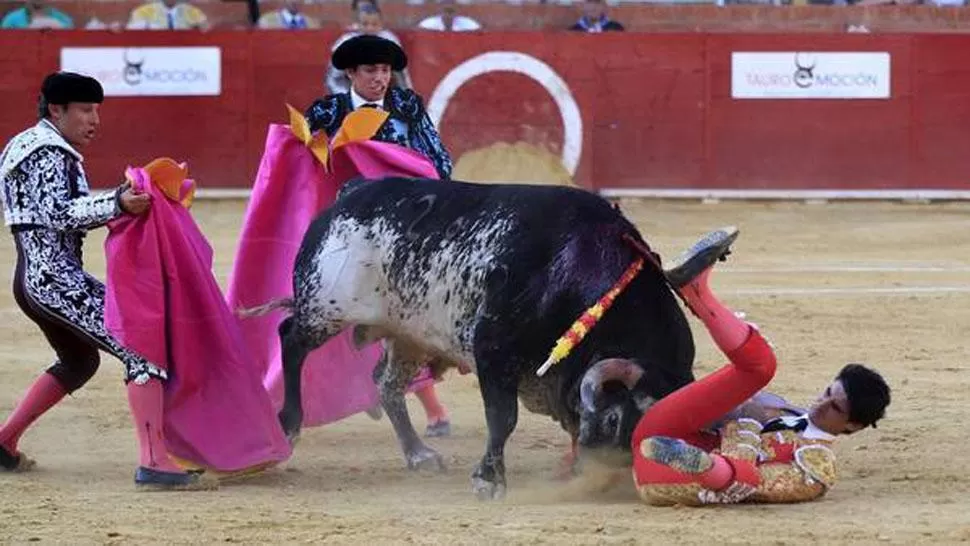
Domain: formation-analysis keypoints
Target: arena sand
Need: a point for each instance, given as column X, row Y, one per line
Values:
column 518, row 162
column 828, row 284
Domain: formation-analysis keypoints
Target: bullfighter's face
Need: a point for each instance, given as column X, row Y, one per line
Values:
column 370, row 81
column 77, row 121
column 831, row 411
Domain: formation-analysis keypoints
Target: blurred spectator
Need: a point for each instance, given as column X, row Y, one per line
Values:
column 355, row 11
column 594, row 18
column 449, row 20
column 36, row 14
column 98, row 24
column 167, row 15
column 369, row 21
column 288, row 17
column 252, row 10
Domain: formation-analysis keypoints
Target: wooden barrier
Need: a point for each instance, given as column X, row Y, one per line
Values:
column 656, row 111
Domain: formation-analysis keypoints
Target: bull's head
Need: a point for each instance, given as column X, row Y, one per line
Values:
column 613, row 396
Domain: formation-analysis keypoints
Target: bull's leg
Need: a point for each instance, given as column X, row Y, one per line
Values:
column 499, row 394
column 393, row 373
column 296, row 343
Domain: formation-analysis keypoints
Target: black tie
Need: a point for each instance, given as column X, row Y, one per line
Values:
column 798, row 424
column 369, row 105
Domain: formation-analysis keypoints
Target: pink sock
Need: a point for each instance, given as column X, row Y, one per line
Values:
column 147, row 413
column 728, row 331
column 42, row 396
column 719, row 476
column 432, row 407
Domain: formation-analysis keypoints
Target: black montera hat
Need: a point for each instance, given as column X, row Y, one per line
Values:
column 369, row 49
column 65, row 87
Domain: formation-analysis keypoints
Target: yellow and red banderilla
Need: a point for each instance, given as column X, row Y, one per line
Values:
column 568, row 341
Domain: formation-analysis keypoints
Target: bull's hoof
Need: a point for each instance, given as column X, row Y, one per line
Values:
column 486, row 490
column 426, row 459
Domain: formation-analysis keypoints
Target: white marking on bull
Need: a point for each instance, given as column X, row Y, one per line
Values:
column 352, row 282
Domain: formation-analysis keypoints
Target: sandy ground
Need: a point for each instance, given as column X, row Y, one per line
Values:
column 886, row 284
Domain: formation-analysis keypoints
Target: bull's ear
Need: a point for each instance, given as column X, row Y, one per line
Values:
column 623, row 370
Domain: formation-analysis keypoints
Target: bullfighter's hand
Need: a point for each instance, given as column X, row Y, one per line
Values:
column 134, row 202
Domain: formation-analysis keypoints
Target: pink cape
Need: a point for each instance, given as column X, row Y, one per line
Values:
column 163, row 302
column 291, row 189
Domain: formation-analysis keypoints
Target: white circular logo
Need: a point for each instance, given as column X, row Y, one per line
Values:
column 520, row 63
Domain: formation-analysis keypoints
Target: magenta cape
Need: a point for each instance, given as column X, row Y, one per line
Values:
column 163, row 302
column 291, row 189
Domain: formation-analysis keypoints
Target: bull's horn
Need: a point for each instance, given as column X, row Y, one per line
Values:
column 610, row 369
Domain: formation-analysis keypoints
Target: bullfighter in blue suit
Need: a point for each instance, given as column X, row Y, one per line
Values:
column 369, row 61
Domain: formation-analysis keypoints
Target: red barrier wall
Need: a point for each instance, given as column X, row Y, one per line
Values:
column 645, row 17
column 656, row 109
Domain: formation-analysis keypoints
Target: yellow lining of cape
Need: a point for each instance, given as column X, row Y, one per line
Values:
column 169, row 177
column 357, row 126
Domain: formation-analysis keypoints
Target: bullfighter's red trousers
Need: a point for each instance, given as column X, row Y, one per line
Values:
column 685, row 413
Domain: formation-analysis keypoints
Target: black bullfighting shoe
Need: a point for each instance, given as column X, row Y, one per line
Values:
column 147, row 479
column 676, row 454
column 710, row 249
column 14, row 463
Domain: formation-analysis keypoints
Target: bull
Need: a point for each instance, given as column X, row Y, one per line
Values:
column 451, row 272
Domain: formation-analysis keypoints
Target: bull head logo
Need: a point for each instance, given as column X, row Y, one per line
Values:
column 803, row 73
column 132, row 72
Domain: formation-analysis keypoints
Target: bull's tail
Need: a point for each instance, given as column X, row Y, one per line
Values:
column 266, row 308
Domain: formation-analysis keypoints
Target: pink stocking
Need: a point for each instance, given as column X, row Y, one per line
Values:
column 42, row 396
column 432, row 406
column 147, row 413
column 728, row 331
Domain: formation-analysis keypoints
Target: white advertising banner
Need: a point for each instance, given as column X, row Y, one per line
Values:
column 807, row 75
column 156, row 71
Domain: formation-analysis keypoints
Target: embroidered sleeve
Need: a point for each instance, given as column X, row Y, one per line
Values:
column 808, row 477
column 424, row 136
column 322, row 114
column 50, row 184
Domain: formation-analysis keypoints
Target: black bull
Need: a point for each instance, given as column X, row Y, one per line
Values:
column 491, row 276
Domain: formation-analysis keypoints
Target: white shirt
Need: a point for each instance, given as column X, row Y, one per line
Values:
column 356, row 101
column 812, row 432
column 461, row 23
